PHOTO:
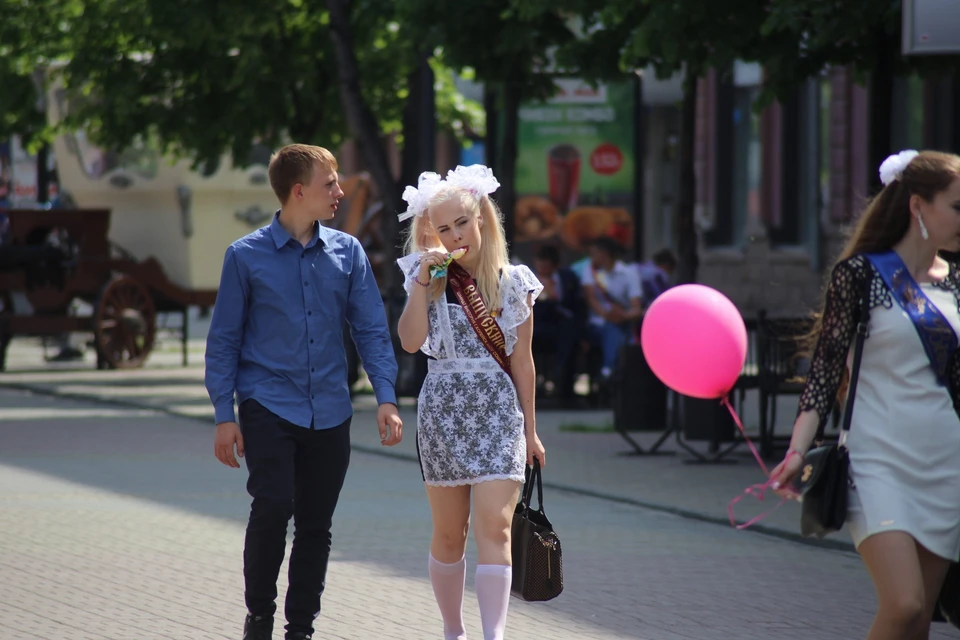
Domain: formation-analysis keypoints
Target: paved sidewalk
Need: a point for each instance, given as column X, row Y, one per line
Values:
column 597, row 462
column 118, row 524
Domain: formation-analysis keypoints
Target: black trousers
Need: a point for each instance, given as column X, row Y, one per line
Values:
column 558, row 333
column 296, row 472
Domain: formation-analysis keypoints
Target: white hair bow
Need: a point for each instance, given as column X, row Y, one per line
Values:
column 419, row 197
column 477, row 179
column 892, row 168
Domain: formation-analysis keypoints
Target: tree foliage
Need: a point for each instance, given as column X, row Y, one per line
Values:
column 208, row 76
column 31, row 35
column 806, row 36
column 496, row 39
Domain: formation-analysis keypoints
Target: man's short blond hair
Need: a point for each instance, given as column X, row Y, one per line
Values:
column 294, row 164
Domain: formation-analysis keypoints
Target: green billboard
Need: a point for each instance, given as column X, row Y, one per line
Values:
column 576, row 168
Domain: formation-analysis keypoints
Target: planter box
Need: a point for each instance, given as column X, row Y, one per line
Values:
column 706, row 420
column 638, row 397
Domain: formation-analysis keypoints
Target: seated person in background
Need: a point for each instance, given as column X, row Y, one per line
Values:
column 580, row 266
column 559, row 317
column 613, row 294
column 655, row 275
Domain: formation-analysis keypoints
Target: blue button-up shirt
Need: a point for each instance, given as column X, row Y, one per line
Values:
column 277, row 329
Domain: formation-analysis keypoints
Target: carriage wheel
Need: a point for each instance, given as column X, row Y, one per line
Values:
column 125, row 324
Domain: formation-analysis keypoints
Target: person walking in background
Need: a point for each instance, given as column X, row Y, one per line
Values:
column 276, row 342
column 476, row 424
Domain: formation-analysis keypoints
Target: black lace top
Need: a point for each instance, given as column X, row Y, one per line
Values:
column 840, row 317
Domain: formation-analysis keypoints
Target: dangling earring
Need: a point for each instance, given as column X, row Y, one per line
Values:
column 923, row 229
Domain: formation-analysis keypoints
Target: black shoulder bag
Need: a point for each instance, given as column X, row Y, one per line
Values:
column 825, row 476
column 537, row 563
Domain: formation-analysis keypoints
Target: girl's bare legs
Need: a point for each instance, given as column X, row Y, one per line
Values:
column 450, row 508
column 907, row 578
column 494, row 504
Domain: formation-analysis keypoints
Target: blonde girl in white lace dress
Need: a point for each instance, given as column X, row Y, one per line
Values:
column 476, row 424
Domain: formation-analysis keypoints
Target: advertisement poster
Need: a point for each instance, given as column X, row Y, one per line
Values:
column 18, row 177
column 576, row 169
column 24, row 176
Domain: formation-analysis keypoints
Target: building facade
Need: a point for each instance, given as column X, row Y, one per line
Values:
column 777, row 190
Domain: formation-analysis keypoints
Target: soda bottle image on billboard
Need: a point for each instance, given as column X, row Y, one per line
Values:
column 563, row 162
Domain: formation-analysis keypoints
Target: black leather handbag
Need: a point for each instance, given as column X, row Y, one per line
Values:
column 825, row 475
column 537, row 559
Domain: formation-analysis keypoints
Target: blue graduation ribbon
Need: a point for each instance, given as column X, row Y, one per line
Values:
column 936, row 334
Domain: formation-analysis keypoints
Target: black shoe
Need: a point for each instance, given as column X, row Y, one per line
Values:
column 67, row 354
column 297, row 635
column 258, row 628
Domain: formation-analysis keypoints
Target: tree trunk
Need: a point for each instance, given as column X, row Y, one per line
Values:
column 687, row 259
column 492, row 138
column 512, row 94
column 419, row 128
column 419, row 131
column 364, row 128
column 881, row 111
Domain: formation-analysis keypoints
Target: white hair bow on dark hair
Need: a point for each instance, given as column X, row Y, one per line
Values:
column 893, row 167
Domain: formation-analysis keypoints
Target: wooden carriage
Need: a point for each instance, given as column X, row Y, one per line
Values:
column 53, row 257
column 148, row 237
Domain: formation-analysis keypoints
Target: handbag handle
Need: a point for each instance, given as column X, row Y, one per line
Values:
column 862, row 323
column 532, row 474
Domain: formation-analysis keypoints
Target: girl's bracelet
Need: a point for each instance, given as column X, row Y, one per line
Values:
column 422, row 284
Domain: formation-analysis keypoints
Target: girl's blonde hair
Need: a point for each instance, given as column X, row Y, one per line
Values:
column 493, row 250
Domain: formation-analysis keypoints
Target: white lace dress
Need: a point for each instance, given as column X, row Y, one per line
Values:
column 469, row 423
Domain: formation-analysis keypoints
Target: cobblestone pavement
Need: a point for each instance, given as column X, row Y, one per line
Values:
column 120, row 524
column 585, row 454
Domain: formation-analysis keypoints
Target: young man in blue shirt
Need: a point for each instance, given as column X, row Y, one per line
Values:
column 276, row 342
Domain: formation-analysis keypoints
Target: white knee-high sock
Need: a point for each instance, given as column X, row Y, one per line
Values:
column 493, row 596
column 448, row 581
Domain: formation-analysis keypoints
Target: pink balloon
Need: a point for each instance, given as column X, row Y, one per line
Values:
column 695, row 341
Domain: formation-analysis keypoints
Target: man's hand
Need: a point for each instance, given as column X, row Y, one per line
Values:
column 228, row 434
column 390, row 424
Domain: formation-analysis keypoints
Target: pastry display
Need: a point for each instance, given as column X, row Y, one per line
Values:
column 583, row 225
column 536, row 218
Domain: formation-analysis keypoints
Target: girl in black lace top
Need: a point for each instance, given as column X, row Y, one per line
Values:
column 904, row 439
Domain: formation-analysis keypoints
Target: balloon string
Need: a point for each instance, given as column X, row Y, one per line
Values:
column 757, row 491
column 756, row 455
